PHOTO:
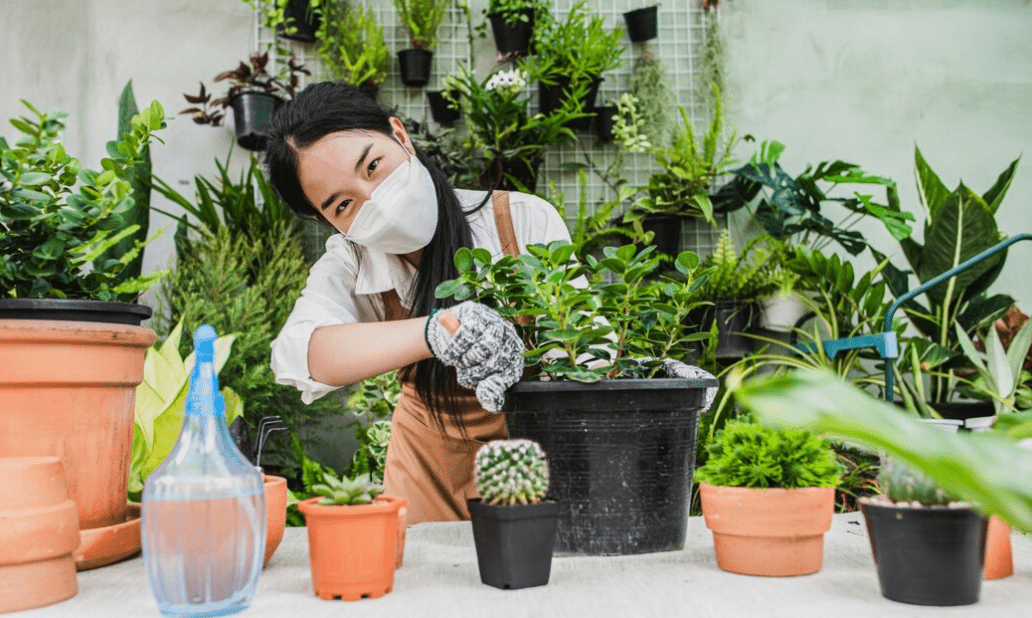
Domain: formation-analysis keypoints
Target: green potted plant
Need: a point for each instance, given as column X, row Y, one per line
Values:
column 70, row 338
column 445, row 107
column 508, row 139
column 513, row 23
column 988, row 470
column 352, row 538
column 253, row 93
column 513, row 522
column 655, row 104
column 620, row 450
column 768, row 495
column 290, row 19
column 573, row 52
column 422, row 18
column 351, row 44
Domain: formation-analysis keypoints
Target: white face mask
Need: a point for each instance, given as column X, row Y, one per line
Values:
column 401, row 214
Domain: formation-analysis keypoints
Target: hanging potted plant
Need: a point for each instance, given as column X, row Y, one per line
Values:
column 70, row 338
column 421, row 18
column 352, row 538
column 768, row 496
column 571, row 54
column 621, row 451
column 254, row 94
column 290, row 19
column 445, row 106
column 512, row 24
column 513, row 522
column 351, row 45
column 641, row 23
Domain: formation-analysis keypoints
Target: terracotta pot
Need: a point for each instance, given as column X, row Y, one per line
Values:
column 69, row 389
column 399, row 559
column 39, row 529
column 771, row 532
column 352, row 550
column 109, row 544
column 999, row 561
column 276, row 518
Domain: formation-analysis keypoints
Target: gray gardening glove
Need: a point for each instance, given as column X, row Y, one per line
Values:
column 677, row 369
column 485, row 350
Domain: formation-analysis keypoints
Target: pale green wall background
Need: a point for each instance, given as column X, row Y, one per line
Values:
column 866, row 80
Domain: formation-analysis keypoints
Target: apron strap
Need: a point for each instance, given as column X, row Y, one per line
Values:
column 392, row 306
column 503, row 221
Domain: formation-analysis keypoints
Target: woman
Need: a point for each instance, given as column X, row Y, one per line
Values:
column 335, row 155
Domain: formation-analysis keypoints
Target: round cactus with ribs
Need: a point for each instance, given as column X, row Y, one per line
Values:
column 511, row 472
column 904, row 484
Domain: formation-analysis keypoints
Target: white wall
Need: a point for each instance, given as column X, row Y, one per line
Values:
column 866, row 80
column 77, row 56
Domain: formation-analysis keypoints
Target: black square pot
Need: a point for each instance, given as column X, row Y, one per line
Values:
column 514, row 543
column 251, row 114
column 512, row 39
column 441, row 109
column 641, row 24
column 927, row 556
column 415, row 66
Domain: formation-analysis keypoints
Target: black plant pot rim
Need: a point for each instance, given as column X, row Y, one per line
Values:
column 255, row 93
column 89, row 310
column 633, row 384
column 958, row 507
column 545, row 508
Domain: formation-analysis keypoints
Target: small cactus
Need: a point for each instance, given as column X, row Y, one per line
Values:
column 511, row 472
column 361, row 490
column 903, row 484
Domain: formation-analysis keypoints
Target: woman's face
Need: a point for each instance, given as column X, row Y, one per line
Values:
column 340, row 170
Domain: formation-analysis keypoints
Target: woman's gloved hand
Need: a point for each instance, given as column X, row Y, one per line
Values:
column 676, row 369
column 485, row 350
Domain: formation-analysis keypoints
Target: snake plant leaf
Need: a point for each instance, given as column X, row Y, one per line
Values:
column 930, row 189
column 987, row 469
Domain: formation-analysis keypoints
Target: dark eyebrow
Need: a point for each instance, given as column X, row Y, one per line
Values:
column 333, row 198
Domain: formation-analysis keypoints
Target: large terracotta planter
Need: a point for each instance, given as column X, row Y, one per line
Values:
column 772, row 532
column 352, row 549
column 39, row 530
column 276, row 513
column 69, row 389
column 999, row 559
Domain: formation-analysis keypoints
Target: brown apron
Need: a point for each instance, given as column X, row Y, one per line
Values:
column 432, row 470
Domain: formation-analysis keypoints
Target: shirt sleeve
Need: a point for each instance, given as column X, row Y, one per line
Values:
column 328, row 298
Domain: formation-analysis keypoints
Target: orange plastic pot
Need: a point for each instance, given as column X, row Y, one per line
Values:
column 276, row 513
column 69, row 389
column 352, row 549
column 999, row 560
column 771, row 532
column 39, row 529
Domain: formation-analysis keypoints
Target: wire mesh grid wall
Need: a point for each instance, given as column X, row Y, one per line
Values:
column 679, row 45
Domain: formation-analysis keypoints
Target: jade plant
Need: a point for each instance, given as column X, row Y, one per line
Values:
column 58, row 218
column 747, row 454
column 586, row 319
column 511, row 472
column 344, row 491
column 902, row 484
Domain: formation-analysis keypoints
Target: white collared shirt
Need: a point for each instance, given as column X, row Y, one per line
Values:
column 345, row 284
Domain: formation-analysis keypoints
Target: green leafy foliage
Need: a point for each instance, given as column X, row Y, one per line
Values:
column 57, row 218
column 576, row 48
column 572, row 314
column 511, row 472
column 745, row 454
column 422, row 18
column 746, row 276
column 513, row 11
column 345, row 491
column 987, row 469
column 653, row 99
column 371, row 403
column 350, row 43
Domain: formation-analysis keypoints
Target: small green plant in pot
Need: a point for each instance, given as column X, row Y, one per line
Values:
column 603, row 337
column 422, row 18
column 351, row 45
column 768, row 496
column 513, row 523
column 353, row 531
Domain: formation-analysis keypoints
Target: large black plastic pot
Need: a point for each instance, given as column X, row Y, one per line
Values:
column 621, row 454
column 963, row 410
column 551, row 97
column 734, row 320
column 512, row 39
column 666, row 231
column 303, row 22
column 514, row 543
column 251, row 114
column 73, row 310
column 415, row 66
column 927, row 555
column 641, row 24
column 441, row 109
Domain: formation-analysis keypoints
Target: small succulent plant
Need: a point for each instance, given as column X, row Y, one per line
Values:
column 904, row 484
column 511, row 472
column 360, row 490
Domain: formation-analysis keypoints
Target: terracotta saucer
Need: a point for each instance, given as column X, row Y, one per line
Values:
column 110, row 544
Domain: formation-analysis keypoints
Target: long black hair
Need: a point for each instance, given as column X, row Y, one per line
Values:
column 328, row 107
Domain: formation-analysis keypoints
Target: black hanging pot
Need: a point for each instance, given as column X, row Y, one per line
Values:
column 513, row 39
column 441, row 109
column 604, row 122
column 514, row 543
column 251, row 113
column 509, row 174
column 73, row 310
column 621, row 454
column 300, row 22
column 666, row 231
column 641, row 24
column 552, row 97
column 735, row 319
column 927, row 555
column 415, row 66
column 963, row 410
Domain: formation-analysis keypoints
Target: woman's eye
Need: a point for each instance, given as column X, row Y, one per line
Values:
column 342, row 206
column 373, row 165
